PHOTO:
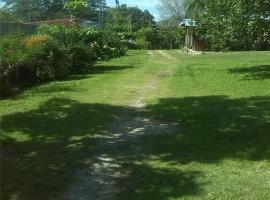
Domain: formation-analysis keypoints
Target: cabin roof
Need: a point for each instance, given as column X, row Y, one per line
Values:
column 188, row 23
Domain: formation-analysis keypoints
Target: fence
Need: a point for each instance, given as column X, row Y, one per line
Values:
column 7, row 28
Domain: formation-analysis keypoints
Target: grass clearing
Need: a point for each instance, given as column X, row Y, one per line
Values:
column 220, row 149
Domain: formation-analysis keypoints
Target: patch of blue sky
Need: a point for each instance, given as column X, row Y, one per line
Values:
column 2, row 4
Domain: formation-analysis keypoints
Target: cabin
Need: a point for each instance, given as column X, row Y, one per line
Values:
column 192, row 43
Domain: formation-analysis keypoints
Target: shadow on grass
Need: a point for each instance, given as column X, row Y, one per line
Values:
column 61, row 136
column 57, row 87
column 213, row 128
column 76, row 77
column 258, row 72
column 160, row 183
column 97, row 69
column 55, row 139
column 100, row 69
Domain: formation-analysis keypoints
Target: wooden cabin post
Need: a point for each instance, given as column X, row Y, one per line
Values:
column 186, row 37
column 189, row 37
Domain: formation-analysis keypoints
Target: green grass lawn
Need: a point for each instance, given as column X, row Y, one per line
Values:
column 220, row 149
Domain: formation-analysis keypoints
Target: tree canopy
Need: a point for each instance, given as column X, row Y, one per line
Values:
column 30, row 10
column 225, row 24
column 33, row 10
column 132, row 16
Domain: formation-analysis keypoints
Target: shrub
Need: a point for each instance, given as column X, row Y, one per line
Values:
column 12, row 51
column 29, row 60
column 63, row 35
column 77, row 43
column 44, row 59
column 35, row 40
column 99, row 43
column 55, row 51
column 81, row 58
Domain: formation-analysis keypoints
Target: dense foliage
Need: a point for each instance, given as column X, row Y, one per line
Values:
column 160, row 38
column 131, row 16
column 29, row 60
column 6, row 16
column 103, row 43
column 55, row 52
column 35, row 10
column 236, row 25
column 226, row 24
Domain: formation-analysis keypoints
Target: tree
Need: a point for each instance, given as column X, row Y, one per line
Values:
column 171, row 8
column 225, row 24
column 99, row 6
column 6, row 16
column 131, row 16
column 169, row 22
column 194, row 8
column 32, row 10
column 117, row 4
column 78, row 8
column 236, row 24
column 181, row 8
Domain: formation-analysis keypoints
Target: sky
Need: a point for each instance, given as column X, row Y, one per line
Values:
column 149, row 5
column 1, row 3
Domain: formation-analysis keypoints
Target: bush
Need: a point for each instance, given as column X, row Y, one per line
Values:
column 235, row 25
column 56, row 51
column 44, row 59
column 81, row 58
column 160, row 38
column 26, row 61
column 12, row 50
column 100, row 44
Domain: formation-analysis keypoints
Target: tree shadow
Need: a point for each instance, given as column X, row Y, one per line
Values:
column 97, row 69
column 55, row 139
column 213, row 128
column 60, row 137
column 259, row 72
column 76, row 77
column 159, row 183
column 55, row 88
column 103, row 68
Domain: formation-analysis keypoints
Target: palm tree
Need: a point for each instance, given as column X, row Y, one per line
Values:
column 193, row 8
column 117, row 3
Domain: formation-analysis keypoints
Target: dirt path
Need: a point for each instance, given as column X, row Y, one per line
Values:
column 168, row 56
column 102, row 181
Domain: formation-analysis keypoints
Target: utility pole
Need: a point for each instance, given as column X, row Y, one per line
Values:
column 101, row 12
column 99, row 9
